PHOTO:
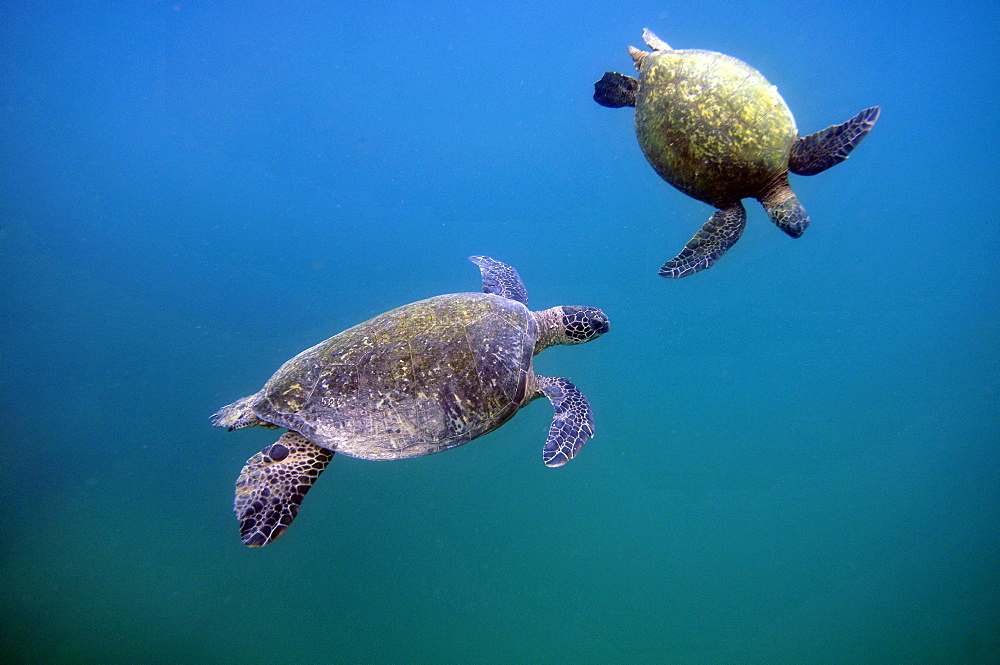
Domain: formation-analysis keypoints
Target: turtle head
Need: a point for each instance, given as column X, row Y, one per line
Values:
column 582, row 324
column 569, row 325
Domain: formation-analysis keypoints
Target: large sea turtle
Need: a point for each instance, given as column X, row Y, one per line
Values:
column 419, row 379
column 713, row 127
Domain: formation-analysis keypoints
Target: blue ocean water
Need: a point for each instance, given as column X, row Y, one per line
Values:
column 797, row 456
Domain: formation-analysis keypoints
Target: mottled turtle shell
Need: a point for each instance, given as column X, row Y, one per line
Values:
column 417, row 380
column 711, row 125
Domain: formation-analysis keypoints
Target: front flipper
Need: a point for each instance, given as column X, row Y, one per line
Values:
column 271, row 487
column 720, row 232
column 817, row 152
column 500, row 279
column 783, row 207
column 615, row 90
column 572, row 424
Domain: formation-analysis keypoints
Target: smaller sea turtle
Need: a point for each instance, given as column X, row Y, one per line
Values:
column 419, row 379
column 713, row 127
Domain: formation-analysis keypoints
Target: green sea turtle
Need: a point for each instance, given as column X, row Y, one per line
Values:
column 419, row 379
column 713, row 127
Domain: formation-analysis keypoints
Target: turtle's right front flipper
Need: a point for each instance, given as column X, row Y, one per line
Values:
column 501, row 279
column 615, row 90
column 572, row 424
column 817, row 152
column 720, row 232
column 272, row 485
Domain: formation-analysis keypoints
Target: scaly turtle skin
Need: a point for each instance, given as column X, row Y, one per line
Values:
column 422, row 378
column 713, row 127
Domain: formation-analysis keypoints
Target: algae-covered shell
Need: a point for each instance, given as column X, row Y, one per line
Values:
column 711, row 125
column 417, row 380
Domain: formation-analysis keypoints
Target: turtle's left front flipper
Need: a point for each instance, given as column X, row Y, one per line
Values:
column 817, row 152
column 272, row 485
column 572, row 424
column 720, row 232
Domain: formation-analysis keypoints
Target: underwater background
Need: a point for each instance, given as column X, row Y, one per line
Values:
column 797, row 456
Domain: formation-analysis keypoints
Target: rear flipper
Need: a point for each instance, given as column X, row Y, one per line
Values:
column 817, row 152
column 720, row 232
column 572, row 424
column 615, row 90
column 238, row 415
column 272, row 485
